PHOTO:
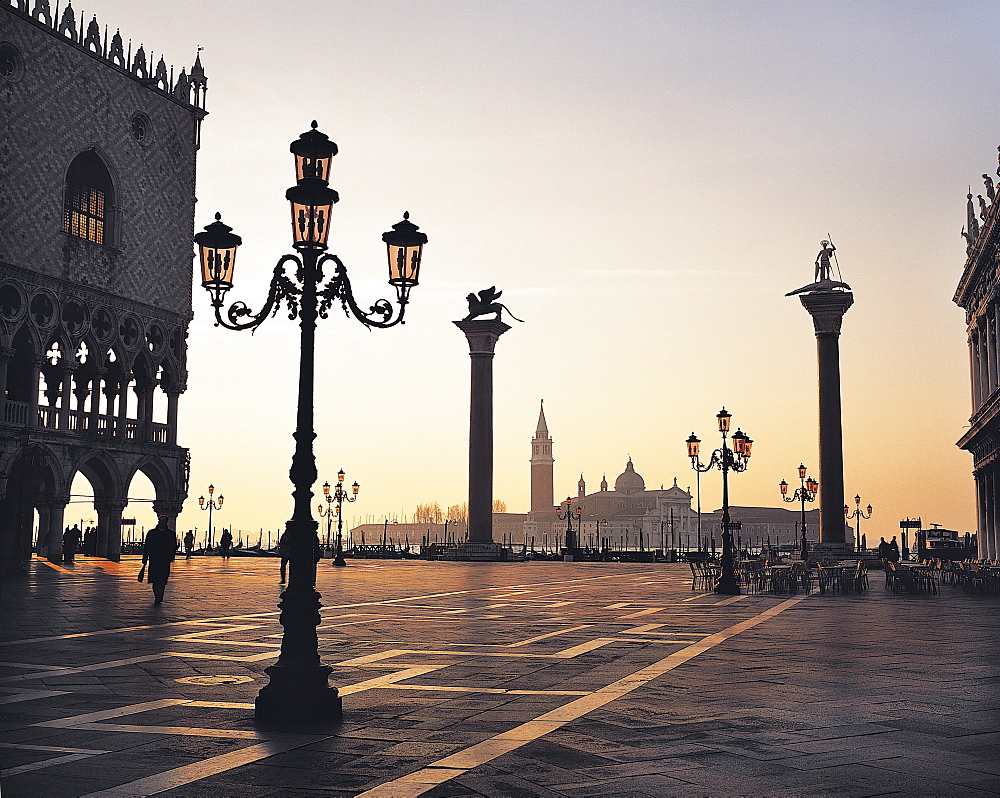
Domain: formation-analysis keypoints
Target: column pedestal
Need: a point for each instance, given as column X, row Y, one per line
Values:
column 482, row 336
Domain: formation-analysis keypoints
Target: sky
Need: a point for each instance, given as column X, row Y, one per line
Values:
column 645, row 181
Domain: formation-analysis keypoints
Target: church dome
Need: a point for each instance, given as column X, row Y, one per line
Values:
column 629, row 481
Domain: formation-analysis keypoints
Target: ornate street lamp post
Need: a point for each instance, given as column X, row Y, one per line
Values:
column 568, row 515
column 805, row 493
column 858, row 514
column 298, row 688
column 210, row 505
column 725, row 459
column 338, row 497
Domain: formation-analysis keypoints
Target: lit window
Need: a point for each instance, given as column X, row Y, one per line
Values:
column 89, row 199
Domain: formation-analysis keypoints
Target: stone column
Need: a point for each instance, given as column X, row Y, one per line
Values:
column 65, row 396
column 172, row 396
column 827, row 308
column 122, row 408
column 991, row 357
column 6, row 353
column 482, row 336
column 57, row 510
column 973, row 369
column 36, row 371
column 109, row 527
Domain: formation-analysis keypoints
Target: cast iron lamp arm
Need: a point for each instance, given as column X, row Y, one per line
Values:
column 282, row 289
column 338, row 289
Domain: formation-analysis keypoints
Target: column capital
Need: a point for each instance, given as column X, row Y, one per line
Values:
column 827, row 309
column 482, row 334
column 110, row 504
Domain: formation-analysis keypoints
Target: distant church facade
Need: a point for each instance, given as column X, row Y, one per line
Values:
column 628, row 516
column 97, row 193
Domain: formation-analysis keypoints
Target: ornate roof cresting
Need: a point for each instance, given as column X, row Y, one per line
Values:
column 186, row 89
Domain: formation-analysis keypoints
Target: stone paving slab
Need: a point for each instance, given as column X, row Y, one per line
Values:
column 492, row 679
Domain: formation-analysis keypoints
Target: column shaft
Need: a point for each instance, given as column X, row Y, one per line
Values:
column 482, row 337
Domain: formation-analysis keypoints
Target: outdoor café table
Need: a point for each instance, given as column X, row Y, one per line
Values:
column 782, row 579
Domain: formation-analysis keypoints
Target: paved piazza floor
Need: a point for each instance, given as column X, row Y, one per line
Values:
column 466, row 679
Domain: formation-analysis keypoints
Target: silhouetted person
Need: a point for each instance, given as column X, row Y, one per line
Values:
column 894, row 550
column 158, row 551
column 90, row 541
column 884, row 550
column 71, row 540
column 283, row 552
column 188, row 544
column 226, row 543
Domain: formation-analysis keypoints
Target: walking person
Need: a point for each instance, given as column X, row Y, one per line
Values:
column 71, row 540
column 188, row 544
column 158, row 551
column 226, row 543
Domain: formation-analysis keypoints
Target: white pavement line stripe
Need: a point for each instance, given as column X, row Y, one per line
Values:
column 227, row 657
column 185, row 731
column 28, row 695
column 583, row 648
column 491, row 690
column 104, row 714
column 646, row 627
column 700, row 595
column 640, row 613
column 58, row 760
column 52, row 748
column 178, row 777
column 98, row 666
column 369, row 658
column 550, row 634
column 732, row 600
column 389, row 678
column 98, row 632
column 456, row 764
column 202, row 633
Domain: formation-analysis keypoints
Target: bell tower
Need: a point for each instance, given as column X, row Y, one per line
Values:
column 541, row 467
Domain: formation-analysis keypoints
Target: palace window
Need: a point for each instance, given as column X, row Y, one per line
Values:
column 89, row 206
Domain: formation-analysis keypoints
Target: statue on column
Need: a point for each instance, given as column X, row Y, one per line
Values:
column 823, row 276
column 485, row 303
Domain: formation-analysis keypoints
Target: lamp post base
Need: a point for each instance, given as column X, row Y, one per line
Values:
column 728, row 586
column 298, row 695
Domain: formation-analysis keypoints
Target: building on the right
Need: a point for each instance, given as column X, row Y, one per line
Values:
column 977, row 294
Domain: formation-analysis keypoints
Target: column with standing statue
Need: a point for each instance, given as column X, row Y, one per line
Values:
column 827, row 300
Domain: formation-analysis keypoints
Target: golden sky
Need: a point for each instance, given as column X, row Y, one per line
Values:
column 644, row 181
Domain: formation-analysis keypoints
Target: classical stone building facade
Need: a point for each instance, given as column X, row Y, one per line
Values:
column 978, row 294
column 97, row 178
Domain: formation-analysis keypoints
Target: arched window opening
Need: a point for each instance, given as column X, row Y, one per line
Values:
column 89, row 207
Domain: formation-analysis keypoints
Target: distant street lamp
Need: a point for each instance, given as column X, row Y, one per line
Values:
column 338, row 497
column 858, row 514
column 726, row 460
column 298, row 689
column 569, row 514
column 210, row 505
column 805, row 493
